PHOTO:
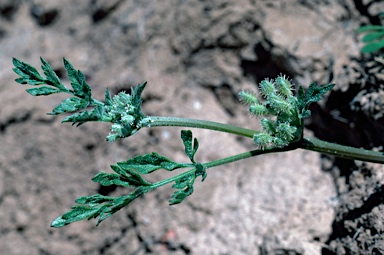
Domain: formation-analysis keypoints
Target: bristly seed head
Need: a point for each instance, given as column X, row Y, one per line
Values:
column 284, row 86
column 268, row 125
column 267, row 88
column 285, row 131
column 258, row 109
column 248, row 97
column 279, row 102
column 262, row 140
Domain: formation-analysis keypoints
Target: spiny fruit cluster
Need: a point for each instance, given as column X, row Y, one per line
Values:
column 284, row 124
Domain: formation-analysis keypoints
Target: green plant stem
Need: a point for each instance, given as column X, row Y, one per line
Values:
column 311, row 144
column 342, row 151
column 158, row 121
column 224, row 161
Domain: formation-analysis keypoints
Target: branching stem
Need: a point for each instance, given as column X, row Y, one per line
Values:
column 224, row 161
column 311, row 144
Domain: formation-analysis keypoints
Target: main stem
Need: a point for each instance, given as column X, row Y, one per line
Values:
column 311, row 144
column 157, row 121
column 342, row 151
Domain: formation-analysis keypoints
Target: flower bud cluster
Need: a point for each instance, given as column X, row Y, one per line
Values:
column 125, row 116
column 279, row 103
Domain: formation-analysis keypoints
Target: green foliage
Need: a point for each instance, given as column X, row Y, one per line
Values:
column 281, row 113
column 313, row 95
column 286, row 110
column 185, row 183
column 97, row 206
column 123, row 110
column 373, row 38
column 130, row 174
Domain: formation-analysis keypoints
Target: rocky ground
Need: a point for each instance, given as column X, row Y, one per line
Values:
column 195, row 56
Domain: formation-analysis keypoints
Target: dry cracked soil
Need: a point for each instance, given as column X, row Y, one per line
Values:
column 196, row 56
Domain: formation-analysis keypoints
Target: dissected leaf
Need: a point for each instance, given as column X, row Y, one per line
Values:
column 190, row 147
column 77, row 78
column 315, row 93
column 108, row 98
column 82, row 117
column 51, row 76
column 28, row 74
column 97, row 206
column 77, row 213
column 150, row 162
column 136, row 94
column 184, row 185
column 124, row 177
column 70, row 105
column 130, row 176
column 184, row 188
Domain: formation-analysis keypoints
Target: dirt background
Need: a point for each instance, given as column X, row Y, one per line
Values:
column 196, row 56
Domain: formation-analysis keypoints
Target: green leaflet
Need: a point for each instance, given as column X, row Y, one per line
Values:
column 77, row 213
column 370, row 28
column 108, row 98
column 373, row 39
column 372, row 47
column 184, row 188
column 136, row 94
column 42, row 91
column 97, row 206
column 70, row 105
column 94, row 200
column 51, row 76
column 81, row 117
column 145, row 164
column 124, row 176
column 184, row 185
column 77, row 78
column 28, row 74
column 314, row 94
column 373, row 36
column 190, row 145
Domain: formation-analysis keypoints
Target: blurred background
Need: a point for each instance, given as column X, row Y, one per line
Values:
column 196, row 56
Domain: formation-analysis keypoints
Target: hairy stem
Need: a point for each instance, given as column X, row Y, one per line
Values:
column 157, row 121
column 342, row 151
